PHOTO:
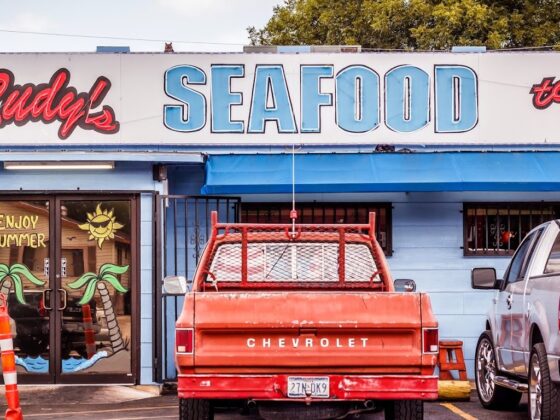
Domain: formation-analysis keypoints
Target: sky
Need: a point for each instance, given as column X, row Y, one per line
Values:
column 209, row 25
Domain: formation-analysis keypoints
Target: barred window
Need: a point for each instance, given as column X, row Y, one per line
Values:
column 498, row 229
column 321, row 213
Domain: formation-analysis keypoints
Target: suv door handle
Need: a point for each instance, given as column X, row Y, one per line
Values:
column 509, row 301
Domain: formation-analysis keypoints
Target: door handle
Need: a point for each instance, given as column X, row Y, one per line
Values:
column 65, row 300
column 44, row 299
column 509, row 301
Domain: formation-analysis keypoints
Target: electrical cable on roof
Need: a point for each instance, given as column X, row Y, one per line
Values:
column 293, row 213
column 549, row 47
column 118, row 38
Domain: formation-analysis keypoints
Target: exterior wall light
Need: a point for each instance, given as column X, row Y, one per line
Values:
column 58, row 166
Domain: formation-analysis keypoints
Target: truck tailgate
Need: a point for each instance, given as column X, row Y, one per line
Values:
column 346, row 331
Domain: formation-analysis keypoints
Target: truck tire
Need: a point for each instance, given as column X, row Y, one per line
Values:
column 404, row 410
column 491, row 396
column 543, row 393
column 195, row 409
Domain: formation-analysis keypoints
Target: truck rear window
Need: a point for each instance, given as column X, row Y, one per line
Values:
column 302, row 262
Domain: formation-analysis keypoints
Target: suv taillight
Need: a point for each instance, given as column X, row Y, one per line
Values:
column 430, row 340
column 184, row 340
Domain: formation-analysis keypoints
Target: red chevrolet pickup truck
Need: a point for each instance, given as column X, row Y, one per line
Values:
column 303, row 321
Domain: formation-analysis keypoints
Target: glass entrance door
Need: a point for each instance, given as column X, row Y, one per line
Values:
column 67, row 271
column 25, row 281
column 95, row 288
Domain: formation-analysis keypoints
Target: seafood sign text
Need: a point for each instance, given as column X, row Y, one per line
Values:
column 401, row 99
column 309, row 342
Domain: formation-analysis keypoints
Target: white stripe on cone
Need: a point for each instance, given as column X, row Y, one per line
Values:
column 10, row 378
column 6, row 344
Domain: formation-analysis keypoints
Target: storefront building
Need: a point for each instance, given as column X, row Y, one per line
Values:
column 112, row 164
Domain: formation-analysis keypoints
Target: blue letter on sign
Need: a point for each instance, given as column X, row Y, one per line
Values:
column 223, row 99
column 192, row 115
column 357, row 99
column 311, row 97
column 407, row 99
column 456, row 99
column 271, row 100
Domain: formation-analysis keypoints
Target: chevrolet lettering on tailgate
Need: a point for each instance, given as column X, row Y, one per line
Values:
column 303, row 321
column 307, row 342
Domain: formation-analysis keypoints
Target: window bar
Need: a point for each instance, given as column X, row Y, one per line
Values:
column 530, row 219
column 475, row 230
column 497, row 250
column 519, row 228
column 509, row 228
column 486, row 229
column 196, row 231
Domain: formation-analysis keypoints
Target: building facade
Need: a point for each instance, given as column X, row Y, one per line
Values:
column 112, row 164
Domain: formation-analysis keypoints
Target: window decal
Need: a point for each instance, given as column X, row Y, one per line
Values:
column 101, row 225
column 11, row 276
column 97, row 282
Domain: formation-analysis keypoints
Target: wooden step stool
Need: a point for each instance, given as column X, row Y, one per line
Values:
column 451, row 358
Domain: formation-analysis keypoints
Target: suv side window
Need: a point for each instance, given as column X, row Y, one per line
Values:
column 519, row 263
column 553, row 263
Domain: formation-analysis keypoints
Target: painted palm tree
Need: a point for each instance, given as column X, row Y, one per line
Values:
column 11, row 276
column 92, row 282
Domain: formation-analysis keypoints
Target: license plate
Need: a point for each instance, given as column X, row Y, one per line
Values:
column 315, row 386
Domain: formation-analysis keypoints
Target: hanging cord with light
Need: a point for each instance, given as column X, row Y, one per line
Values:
column 293, row 212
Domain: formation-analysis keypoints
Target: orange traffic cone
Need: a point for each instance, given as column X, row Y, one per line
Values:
column 13, row 412
column 88, row 331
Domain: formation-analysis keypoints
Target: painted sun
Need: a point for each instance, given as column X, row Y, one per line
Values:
column 101, row 225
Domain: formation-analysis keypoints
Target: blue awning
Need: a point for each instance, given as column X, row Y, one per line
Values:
column 383, row 172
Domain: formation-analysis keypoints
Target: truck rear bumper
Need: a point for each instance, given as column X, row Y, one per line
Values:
column 342, row 387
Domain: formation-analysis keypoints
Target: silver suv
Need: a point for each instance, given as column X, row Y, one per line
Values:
column 520, row 349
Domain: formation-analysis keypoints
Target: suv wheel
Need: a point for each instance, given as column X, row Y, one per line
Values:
column 485, row 368
column 543, row 393
column 195, row 409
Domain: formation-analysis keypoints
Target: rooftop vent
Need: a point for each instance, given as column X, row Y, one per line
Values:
column 294, row 49
column 112, row 49
column 468, row 49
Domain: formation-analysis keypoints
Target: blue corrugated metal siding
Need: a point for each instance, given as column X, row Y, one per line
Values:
column 427, row 242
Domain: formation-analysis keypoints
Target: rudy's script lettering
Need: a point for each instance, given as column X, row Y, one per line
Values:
column 55, row 100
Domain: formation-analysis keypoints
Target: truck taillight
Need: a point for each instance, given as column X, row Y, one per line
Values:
column 430, row 340
column 184, row 340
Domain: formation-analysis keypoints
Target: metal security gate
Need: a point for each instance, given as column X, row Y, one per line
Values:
column 181, row 231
